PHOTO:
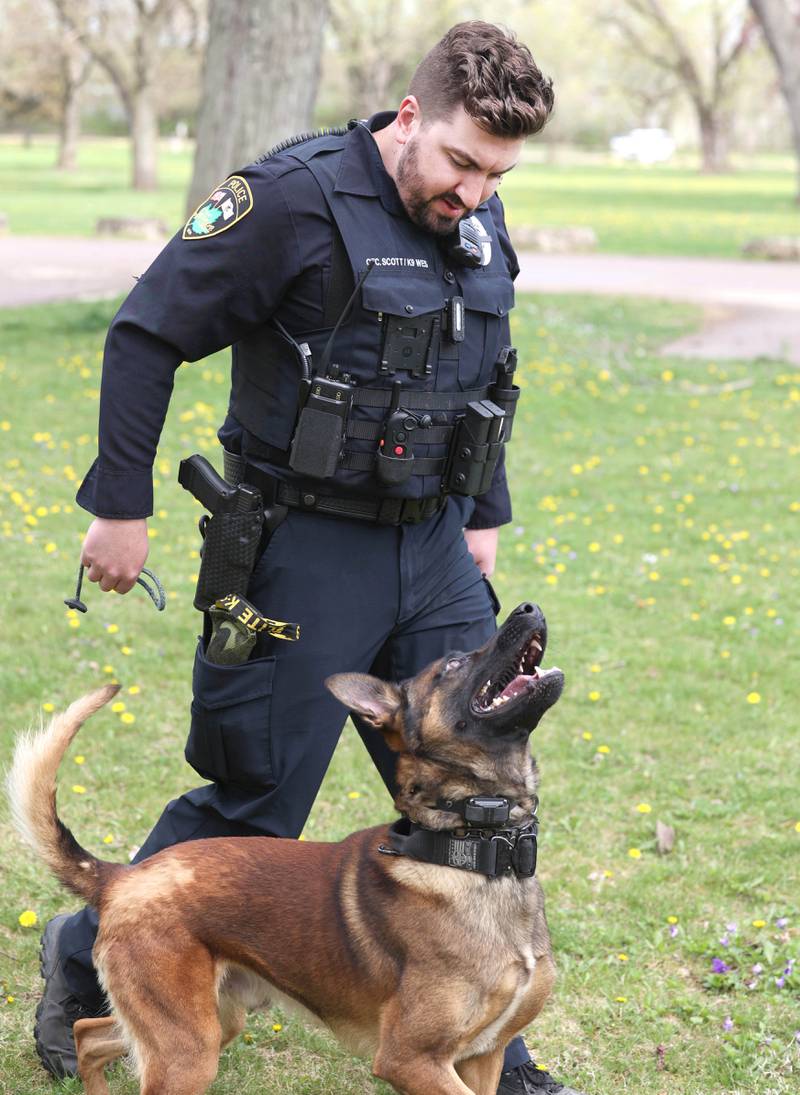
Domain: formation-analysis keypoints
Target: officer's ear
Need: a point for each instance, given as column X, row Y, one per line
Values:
column 375, row 700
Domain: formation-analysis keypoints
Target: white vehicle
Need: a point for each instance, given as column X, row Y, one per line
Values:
column 644, row 145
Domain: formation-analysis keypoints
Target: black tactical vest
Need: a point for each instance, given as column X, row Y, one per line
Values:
column 412, row 283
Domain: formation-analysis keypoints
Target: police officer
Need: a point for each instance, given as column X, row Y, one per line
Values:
column 372, row 268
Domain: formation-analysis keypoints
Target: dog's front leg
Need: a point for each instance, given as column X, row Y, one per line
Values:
column 98, row 1042
column 408, row 1057
column 419, row 1075
column 482, row 1074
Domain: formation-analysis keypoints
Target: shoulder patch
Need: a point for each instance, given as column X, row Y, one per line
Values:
column 231, row 201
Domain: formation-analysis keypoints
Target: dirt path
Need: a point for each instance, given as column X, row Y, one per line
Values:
column 752, row 308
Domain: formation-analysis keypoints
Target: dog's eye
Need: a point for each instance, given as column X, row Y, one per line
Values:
column 454, row 663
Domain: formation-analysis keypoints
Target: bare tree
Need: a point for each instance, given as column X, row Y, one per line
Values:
column 653, row 33
column 780, row 21
column 260, row 82
column 75, row 63
column 124, row 40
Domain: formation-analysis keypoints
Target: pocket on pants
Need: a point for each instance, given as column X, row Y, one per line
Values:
column 229, row 739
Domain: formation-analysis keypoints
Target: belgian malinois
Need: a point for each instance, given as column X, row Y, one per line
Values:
column 423, row 944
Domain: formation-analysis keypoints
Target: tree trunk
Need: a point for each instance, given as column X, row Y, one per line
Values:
column 782, row 32
column 260, row 82
column 713, row 142
column 69, row 129
column 144, row 139
column 74, row 70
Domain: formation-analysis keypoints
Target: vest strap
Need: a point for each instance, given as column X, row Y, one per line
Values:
column 416, row 400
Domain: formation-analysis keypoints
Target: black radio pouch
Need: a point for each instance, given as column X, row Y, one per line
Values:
column 319, row 438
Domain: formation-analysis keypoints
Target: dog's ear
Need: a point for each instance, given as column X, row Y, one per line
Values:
column 375, row 700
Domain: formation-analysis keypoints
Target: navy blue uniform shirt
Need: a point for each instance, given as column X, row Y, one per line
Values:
column 194, row 300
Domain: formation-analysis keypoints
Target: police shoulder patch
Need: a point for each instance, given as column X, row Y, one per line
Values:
column 231, row 201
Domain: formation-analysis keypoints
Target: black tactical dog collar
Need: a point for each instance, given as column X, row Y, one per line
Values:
column 493, row 852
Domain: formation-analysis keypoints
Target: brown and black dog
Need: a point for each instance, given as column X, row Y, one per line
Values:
column 429, row 969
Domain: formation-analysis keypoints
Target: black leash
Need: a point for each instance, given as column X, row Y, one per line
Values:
column 155, row 592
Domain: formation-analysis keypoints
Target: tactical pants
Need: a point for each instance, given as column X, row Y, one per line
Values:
column 371, row 598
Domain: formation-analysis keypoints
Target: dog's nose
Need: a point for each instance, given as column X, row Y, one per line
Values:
column 526, row 609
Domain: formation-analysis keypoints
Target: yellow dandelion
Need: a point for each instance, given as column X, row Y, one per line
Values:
column 28, row 918
column 621, row 999
column 354, row 794
column 672, row 920
column 118, row 706
column 112, row 629
column 608, row 874
column 78, row 790
column 108, row 838
column 622, row 957
column 587, row 735
column 80, row 759
column 134, row 690
column 753, row 697
column 594, row 696
column 635, row 853
column 277, row 1027
column 48, row 707
column 125, row 650
column 127, row 718
column 759, row 923
column 604, row 749
column 644, row 808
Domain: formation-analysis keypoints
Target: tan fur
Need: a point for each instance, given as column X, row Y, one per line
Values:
column 429, row 969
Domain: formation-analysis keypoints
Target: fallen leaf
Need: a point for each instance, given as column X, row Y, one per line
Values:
column 665, row 838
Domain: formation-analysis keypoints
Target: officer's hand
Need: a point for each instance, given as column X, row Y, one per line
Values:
column 115, row 552
column 482, row 543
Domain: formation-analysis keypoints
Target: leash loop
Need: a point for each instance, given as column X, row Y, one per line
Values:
column 155, row 592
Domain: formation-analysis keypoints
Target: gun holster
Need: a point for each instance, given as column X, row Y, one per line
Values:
column 229, row 552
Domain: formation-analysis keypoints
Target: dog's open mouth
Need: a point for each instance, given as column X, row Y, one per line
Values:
column 519, row 678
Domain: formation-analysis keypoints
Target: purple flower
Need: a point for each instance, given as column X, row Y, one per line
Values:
column 797, row 1036
column 780, row 982
column 782, row 921
column 758, row 968
column 724, row 941
column 732, row 928
column 718, row 966
column 673, row 930
column 728, row 1024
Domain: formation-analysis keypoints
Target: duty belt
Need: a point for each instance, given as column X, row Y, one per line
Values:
column 381, row 511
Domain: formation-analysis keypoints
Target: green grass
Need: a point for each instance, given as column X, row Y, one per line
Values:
column 657, row 521
column 662, row 210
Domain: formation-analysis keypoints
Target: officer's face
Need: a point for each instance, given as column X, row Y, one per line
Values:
column 447, row 167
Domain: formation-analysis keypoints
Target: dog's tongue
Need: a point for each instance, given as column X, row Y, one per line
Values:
column 517, row 686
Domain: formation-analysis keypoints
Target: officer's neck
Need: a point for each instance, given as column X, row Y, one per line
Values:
column 389, row 147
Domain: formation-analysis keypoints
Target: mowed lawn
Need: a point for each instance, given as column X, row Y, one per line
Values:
column 657, row 521
column 668, row 209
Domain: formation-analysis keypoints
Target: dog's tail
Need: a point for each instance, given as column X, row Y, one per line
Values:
column 32, row 790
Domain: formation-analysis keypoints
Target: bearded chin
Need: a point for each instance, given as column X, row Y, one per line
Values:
column 411, row 188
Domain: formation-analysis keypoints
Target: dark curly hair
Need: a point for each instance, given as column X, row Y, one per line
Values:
column 485, row 69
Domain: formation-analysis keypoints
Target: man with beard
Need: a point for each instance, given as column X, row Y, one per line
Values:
column 338, row 259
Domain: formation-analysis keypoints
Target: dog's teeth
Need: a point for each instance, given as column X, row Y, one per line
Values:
column 537, row 645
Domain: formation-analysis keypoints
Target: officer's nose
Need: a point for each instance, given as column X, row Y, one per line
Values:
column 471, row 193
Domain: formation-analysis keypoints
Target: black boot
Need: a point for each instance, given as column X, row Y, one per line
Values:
column 58, row 1009
column 528, row 1079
